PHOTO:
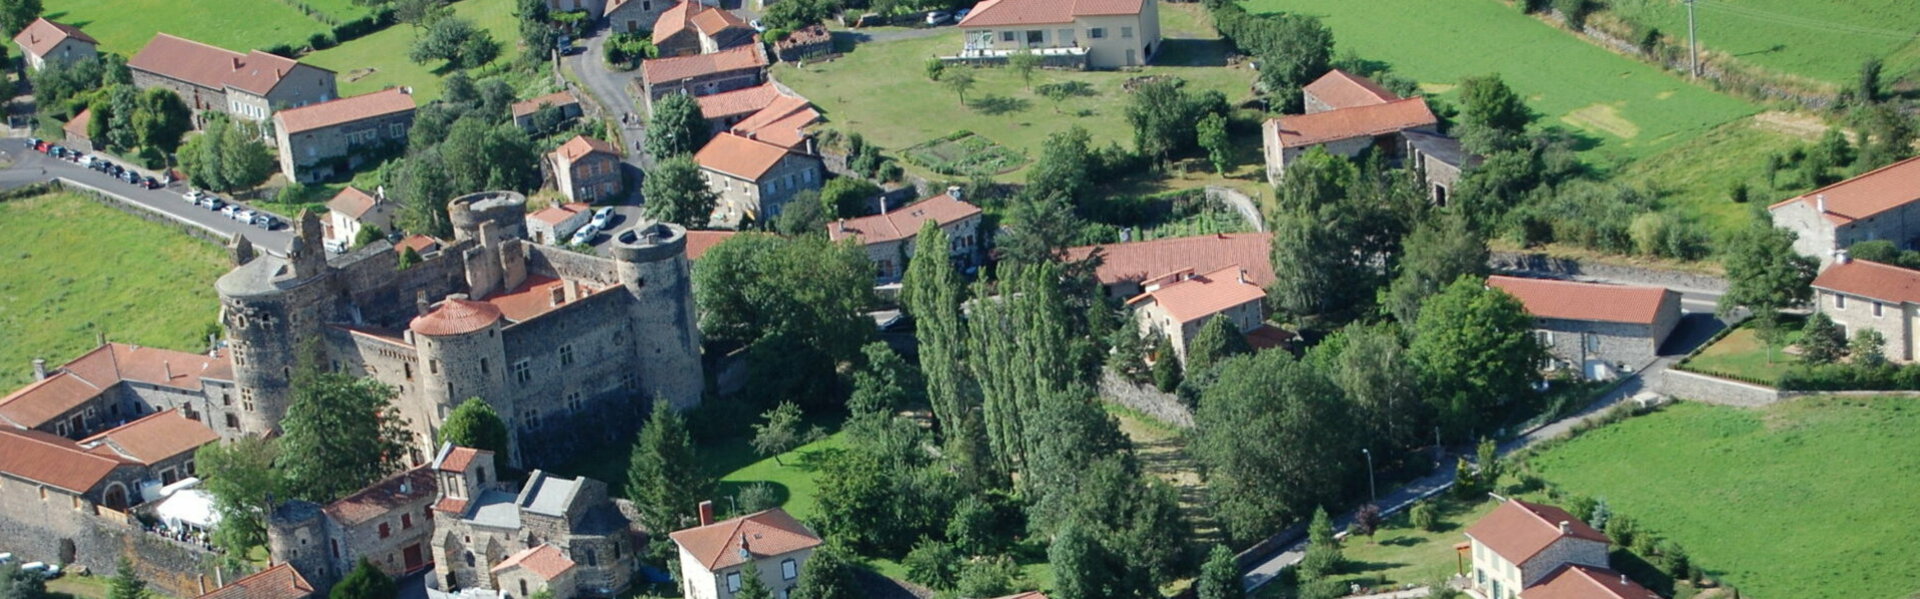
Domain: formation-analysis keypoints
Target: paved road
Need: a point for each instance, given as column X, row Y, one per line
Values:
column 28, row 167
column 609, row 91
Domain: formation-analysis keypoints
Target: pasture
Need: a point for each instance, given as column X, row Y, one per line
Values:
column 125, row 26
column 379, row 60
column 1824, row 40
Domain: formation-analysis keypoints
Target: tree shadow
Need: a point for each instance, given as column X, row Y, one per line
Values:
column 998, row 105
column 1768, row 50
column 1192, row 53
column 731, row 489
column 1403, row 541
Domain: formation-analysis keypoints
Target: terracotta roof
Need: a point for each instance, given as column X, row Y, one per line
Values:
column 1196, row 297
column 993, row 13
column 419, row 243
column 1347, row 123
column 903, row 222
column 738, row 156
column 352, row 202
column 278, row 582
column 208, row 66
column 53, row 461
column 42, row 401
column 1341, row 89
column 1598, row 302
column 1517, row 530
column 77, row 126
column 451, row 505
column 741, row 101
column 613, row 5
column 712, row 20
column 396, row 493
column 92, row 373
column 534, row 297
column 1872, row 280
column 769, row 533
column 1574, row 581
column 1269, row 337
column 1873, row 192
column 554, row 215
column 671, row 21
column 153, row 439
column 333, row 113
column 456, row 317
column 40, row 36
column 546, row 561
column 698, row 242
column 668, row 70
column 1139, row 260
column 1026, row 595
column 457, row 458
column 581, row 146
column 559, row 98
column 782, row 123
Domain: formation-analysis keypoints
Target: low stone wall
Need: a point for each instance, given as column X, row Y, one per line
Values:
column 56, row 533
column 1715, row 390
column 1542, row 265
column 1164, row 407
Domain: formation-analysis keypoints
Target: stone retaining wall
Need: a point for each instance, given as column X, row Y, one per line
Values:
column 1240, row 203
column 1542, row 265
column 1715, row 390
column 1164, row 407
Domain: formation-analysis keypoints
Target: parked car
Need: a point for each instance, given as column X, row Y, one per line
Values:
column 602, row 218
column 245, row 215
column 564, row 44
column 266, row 221
column 131, row 177
column 585, row 235
column 42, row 146
column 939, row 17
column 7, row 558
column 45, row 570
column 211, row 203
column 230, row 211
column 961, row 15
column 32, row 142
column 58, row 152
column 150, row 183
column 192, row 196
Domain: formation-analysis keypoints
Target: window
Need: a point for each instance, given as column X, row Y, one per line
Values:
column 406, row 521
column 566, row 355
column 233, row 422
column 1036, row 36
column 433, row 366
column 1839, row 302
column 593, row 559
column 1097, row 33
column 483, row 366
column 573, row 402
column 1593, row 342
column 1877, row 307
column 1126, row 32
column 397, row 130
column 523, row 587
column 336, row 546
column 385, row 530
column 469, row 559
column 789, row 570
column 1007, row 36
column 733, row 578
column 523, row 371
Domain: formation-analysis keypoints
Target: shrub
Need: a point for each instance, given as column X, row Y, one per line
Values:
column 320, row 41
column 1424, row 517
column 932, row 564
column 1574, row 11
column 936, row 68
column 1739, row 193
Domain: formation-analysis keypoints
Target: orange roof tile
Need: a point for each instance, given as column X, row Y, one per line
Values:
column 352, row 202
column 1139, row 260
column 995, row 13
column 1341, row 89
column 40, row 36
column 738, row 102
column 712, row 20
column 580, row 146
column 92, row 373
column 1347, row 123
column 671, row 22
column 1574, row 581
column 1026, row 595
column 668, row 70
column 451, row 505
column 738, row 156
column 333, row 113
column 698, row 242
column 278, row 582
column 420, row 244
column 765, row 534
column 1873, row 280
column 42, row 401
column 546, row 561
column 396, row 493
column 559, row 98
column 1570, row 300
column 1517, row 530
column 456, row 317
column 208, row 66
column 782, row 123
column 458, row 458
column 1871, row 193
column 554, row 215
column 52, row 460
column 903, row 222
column 156, row 438
column 77, row 126
column 534, row 297
column 1197, row 297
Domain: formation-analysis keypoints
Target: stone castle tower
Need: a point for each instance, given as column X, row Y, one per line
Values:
column 267, row 313
column 653, row 267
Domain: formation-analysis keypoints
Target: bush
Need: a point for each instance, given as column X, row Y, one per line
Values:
column 1574, row 11
column 932, row 564
column 936, row 68
column 1424, row 517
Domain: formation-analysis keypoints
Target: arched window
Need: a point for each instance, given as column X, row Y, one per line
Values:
column 523, row 587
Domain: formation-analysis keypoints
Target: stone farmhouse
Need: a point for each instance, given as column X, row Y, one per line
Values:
column 586, row 169
column 251, row 86
column 1883, row 203
column 754, row 179
column 1125, row 266
column 43, row 40
column 389, row 524
column 694, row 28
column 1176, row 305
column 764, row 113
column 278, row 582
column 1346, row 114
column 713, row 555
column 1440, row 160
column 1860, row 295
column 564, row 101
column 633, row 16
column 354, row 209
column 552, row 533
column 723, row 110
column 568, row 348
column 1101, row 34
column 804, row 43
column 1601, row 330
column 1534, row 551
column 889, row 236
column 704, row 74
column 554, row 225
column 162, row 443
column 118, row 383
column 329, row 139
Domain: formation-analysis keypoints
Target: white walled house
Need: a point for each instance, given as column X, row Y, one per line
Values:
column 353, row 209
column 889, row 237
column 714, row 555
column 1110, row 33
column 1178, row 304
column 1520, row 549
column 1880, row 204
column 43, row 40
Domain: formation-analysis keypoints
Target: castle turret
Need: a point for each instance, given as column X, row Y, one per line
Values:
column 309, row 251
column 297, row 535
column 506, row 209
column 270, row 307
column 460, row 355
column 651, row 261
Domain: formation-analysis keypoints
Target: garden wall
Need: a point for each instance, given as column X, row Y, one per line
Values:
column 1542, row 265
column 1164, row 407
column 1715, row 390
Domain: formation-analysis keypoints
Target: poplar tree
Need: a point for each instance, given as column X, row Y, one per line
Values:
column 665, row 480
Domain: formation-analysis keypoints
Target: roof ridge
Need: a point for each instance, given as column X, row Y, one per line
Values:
column 104, row 434
column 1841, row 182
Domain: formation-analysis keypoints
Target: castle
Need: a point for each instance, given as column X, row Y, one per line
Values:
column 566, row 347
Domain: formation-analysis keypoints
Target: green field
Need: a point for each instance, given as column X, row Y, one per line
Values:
column 125, row 26
column 1629, row 109
column 76, row 269
column 1694, row 178
column 1824, row 40
column 1741, row 355
column 379, row 60
column 1808, row 498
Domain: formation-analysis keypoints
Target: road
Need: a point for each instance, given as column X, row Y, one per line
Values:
column 610, row 91
column 33, row 167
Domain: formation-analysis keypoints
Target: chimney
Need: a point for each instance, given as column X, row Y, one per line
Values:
column 1820, row 202
column 955, row 192
column 883, row 203
column 1623, row 580
column 557, row 295
column 39, row 369
column 1566, row 528
column 743, row 545
column 1841, row 257
column 236, row 63
column 706, row 514
column 420, row 304
column 166, row 369
column 843, row 225
column 1243, row 275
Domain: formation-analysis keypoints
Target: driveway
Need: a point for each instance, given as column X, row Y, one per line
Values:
column 609, row 89
column 29, row 166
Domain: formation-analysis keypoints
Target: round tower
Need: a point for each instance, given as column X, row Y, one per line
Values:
column 651, row 261
column 269, row 310
column 507, row 210
column 296, row 534
column 460, row 350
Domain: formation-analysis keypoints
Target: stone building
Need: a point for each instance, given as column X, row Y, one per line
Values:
column 568, row 348
column 1104, row 34
column 754, row 179
column 1176, row 305
column 329, row 139
column 1601, row 330
column 163, row 443
column 564, row 101
column 634, row 16
column 1346, row 114
column 1860, row 295
column 554, row 225
column 713, row 555
column 1883, row 203
column 353, row 209
column 1440, row 160
column 1534, row 551
column 250, row 86
column 551, row 533
column 587, row 169
column 1124, row 266
column 804, row 43
column 704, row 74
column 389, row 524
column 724, row 109
column 691, row 27
column 75, row 131
column 43, row 40
column 889, row 236
column 117, row 383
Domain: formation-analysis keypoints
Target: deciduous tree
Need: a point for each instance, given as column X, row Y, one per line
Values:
column 1276, row 437
column 474, row 424
column 828, row 575
column 677, row 193
column 959, row 81
column 1492, row 116
column 1439, row 251
column 780, row 433
column 847, row 197
column 677, row 127
column 1374, row 371
column 1217, row 340
column 798, row 305
column 1821, row 342
column 346, row 433
column 1212, row 136
column 1765, row 275
column 162, row 119
column 1220, row 576
column 245, row 485
column 457, row 41
column 15, row 15
column 1475, row 351
column 1023, row 63
column 365, row 581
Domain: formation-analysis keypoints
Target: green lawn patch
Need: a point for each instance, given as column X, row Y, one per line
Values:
column 1791, row 36
column 1627, row 109
column 76, row 269
column 125, row 26
column 1695, row 178
column 379, row 60
column 964, row 154
column 1400, row 553
column 1740, row 355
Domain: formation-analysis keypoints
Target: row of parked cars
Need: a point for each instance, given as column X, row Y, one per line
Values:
column 127, row 175
column 233, row 211
column 601, row 219
column 45, row 570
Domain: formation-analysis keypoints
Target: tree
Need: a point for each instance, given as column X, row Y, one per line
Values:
column 1367, row 520
column 802, row 216
column 1023, row 62
column 1764, row 276
column 959, row 81
column 677, row 193
column 1869, row 83
column 1371, row 367
column 365, row 581
column 797, row 305
column 989, row 577
column 933, row 564
column 1424, row 516
column 751, row 586
column 227, row 156
column 1297, row 49
column 474, row 424
column 757, row 497
column 1333, row 228
column 1439, row 251
column 885, row 383
column 422, row 186
column 780, row 433
column 935, row 69
column 1212, row 136
column 537, row 30
column 1081, row 567
column 665, row 479
column 1220, row 576
column 1492, row 116
column 1165, row 117
column 677, row 127
column 1821, row 342
column 419, row 13
column 126, row 583
column 932, row 292
column 481, row 153
column 1166, row 367
column 1065, row 167
column 15, row 15
column 1276, row 438
column 346, row 433
column 457, row 41
column 245, row 485
column 162, row 119
column 846, row 197
column 19, row 584
column 1474, row 349
column 1323, row 560
column 1869, row 348
column 828, row 575
column 1217, row 340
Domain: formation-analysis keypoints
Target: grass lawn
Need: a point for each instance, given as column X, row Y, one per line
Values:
column 1694, row 178
column 125, row 26
column 1741, row 355
column 1628, row 109
column 76, row 269
column 1400, row 553
column 1797, row 500
column 379, row 60
column 1823, row 40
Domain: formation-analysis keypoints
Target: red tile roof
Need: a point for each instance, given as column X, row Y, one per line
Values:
column 782, row 123
column 903, row 222
column 698, row 242
column 1873, row 280
column 53, row 461
column 738, row 102
column 1200, row 296
column 1140, row 260
column 1347, row 123
column 1871, row 193
column 1517, row 530
column 456, row 317
column 40, row 36
column 546, row 561
column 554, row 215
column 1340, row 89
column 668, row 70
column 156, row 438
column 740, row 157
column 333, row 113
column 995, row 13
column 42, row 401
column 451, row 505
column 208, row 66
column 458, row 458
column 77, row 126
column 534, row 297
column 581, row 146
column 559, row 98
column 396, row 494
column 1570, row 300
column 92, row 373
column 1026, row 595
column 352, row 202
column 1575, row 581
column 278, row 582
column 711, row 20
column 419, row 243
column 769, row 533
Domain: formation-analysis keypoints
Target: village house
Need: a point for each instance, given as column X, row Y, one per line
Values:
column 43, row 40
column 1346, row 115
column 75, row 131
column 554, row 225
column 634, row 16
column 322, row 141
column 1883, row 203
column 784, row 122
column 1860, row 295
column 280, row 581
column 1533, row 551
column 563, row 101
column 389, row 524
column 251, row 86
column 804, row 43
column 1105, row 34
column 1176, row 305
column 1440, row 160
column 586, row 169
column 163, row 443
column 724, row 109
column 889, row 236
column 354, row 209
column 37, row 467
column 1124, row 266
column 691, row 27
column 713, row 555
column 704, row 74
column 549, row 534
column 117, row 383
column 1601, row 330
column 754, row 179
column 698, row 242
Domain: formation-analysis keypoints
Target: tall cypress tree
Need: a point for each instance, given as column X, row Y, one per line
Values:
column 664, row 480
column 932, row 293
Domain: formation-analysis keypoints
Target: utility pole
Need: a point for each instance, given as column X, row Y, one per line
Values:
column 1693, row 44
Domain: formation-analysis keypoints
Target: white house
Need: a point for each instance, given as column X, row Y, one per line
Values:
column 353, row 209
column 1108, row 33
column 554, row 225
column 1533, row 551
column 1177, row 304
column 714, row 555
column 44, row 40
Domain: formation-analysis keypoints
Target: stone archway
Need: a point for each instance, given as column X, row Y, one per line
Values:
column 115, row 497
